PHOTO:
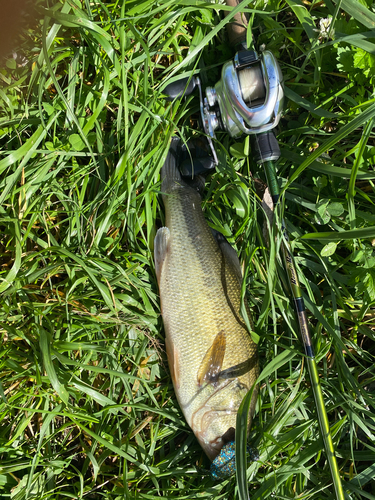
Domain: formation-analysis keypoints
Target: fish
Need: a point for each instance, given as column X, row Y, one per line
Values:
column 211, row 356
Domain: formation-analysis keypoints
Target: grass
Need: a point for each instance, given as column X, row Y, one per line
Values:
column 87, row 407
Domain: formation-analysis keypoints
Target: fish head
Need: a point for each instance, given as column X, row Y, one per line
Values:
column 218, row 429
column 215, row 422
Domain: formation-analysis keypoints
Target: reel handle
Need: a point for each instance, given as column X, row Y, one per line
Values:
column 238, row 27
column 180, row 88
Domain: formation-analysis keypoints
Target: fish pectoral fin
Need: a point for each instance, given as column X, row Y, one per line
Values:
column 160, row 249
column 212, row 362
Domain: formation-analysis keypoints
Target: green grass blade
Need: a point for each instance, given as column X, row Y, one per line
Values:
column 365, row 232
column 241, row 445
column 45, row 348
column 342, row 133
column 359, row 12
column 353, row 177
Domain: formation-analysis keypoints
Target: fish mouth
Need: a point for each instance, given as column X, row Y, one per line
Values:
column 213, row 447
column 212, row 435
column 214, row 422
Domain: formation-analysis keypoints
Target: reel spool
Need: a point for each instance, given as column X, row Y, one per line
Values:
column 251, row 85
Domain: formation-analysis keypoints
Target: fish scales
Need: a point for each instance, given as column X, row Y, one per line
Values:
column 212, row 358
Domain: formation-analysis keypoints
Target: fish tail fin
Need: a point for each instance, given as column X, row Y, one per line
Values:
column 170, row 174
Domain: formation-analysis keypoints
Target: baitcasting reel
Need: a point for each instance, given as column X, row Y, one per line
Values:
column 249, row 94
column 247, row 100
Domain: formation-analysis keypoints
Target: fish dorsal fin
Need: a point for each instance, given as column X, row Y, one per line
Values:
column 213, row 361
column 229, row 254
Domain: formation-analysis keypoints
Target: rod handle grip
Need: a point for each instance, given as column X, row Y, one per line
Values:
column 238, row 27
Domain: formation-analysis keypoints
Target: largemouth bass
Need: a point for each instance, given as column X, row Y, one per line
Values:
column 211, row 356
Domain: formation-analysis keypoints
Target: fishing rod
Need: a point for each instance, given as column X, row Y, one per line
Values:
column 249, row 100
column 267, row 152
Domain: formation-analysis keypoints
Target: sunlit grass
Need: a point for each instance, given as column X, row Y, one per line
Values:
column 87, row 407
